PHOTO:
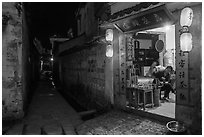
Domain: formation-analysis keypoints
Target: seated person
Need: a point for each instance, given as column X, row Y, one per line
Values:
column 152, row 69
column 164, row 77
column 173, row 80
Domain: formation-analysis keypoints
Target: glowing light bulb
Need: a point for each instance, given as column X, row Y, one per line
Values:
column 167, row 27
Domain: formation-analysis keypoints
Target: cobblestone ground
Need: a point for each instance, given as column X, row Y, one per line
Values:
column 48, row 113
column 121, row 123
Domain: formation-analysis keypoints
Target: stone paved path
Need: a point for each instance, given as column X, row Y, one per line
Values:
column 48, row 113
column 121, row 123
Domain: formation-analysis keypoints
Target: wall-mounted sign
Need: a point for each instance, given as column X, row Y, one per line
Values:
column 182, row 77
column 156, row 17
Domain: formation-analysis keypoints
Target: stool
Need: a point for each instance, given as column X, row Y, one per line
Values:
column 144, row 91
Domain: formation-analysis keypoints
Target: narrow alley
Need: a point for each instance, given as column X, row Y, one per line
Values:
column 101, row 68
column 50, row 114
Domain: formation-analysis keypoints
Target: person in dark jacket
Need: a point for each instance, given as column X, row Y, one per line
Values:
column 164, row 78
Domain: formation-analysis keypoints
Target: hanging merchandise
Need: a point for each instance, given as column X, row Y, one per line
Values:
column 130, row 48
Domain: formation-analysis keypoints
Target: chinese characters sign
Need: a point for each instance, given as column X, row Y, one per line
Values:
column 122, row 70
column 182, row 77
column 150, row 18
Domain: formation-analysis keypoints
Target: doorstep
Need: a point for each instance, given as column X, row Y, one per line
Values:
column 156, row 117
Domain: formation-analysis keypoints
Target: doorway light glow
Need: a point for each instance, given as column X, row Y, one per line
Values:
column 167, row 27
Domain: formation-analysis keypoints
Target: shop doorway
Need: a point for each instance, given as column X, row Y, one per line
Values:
column 146, row 54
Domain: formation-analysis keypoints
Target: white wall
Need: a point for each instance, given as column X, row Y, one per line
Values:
column 170, row 36
column 170, row 42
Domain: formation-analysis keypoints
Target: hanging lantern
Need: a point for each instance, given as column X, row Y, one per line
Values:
column 186, row 42
column 109, row 35
column 109, row 50
column 186, row 17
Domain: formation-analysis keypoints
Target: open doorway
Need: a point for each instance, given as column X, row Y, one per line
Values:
column 166, row 58
column 145, row 53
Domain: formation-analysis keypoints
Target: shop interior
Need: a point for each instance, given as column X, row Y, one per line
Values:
column 142, row 49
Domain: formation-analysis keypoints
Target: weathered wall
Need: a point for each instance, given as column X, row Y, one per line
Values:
column 119, row 69
column 188, row 103
column 87, row 20
column 12, row 103
column 20, row 62
column 84, row 74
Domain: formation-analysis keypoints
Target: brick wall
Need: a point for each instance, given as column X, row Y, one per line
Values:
column 20, row 66
column 83, row 74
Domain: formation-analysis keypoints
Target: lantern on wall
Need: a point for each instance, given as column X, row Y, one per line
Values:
column 109, row 50
column 186, row 37
column 109, row 35
column 186, row 42
column 186, row 17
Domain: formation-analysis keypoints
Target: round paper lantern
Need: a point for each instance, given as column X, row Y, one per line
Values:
column 109, row 50
column 109, row 35
column 186, row 17
column 186, row 42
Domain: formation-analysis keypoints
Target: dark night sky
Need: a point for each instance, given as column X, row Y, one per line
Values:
column 49, row 18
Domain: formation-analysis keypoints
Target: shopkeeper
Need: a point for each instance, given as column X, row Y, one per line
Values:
column 164, row 77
